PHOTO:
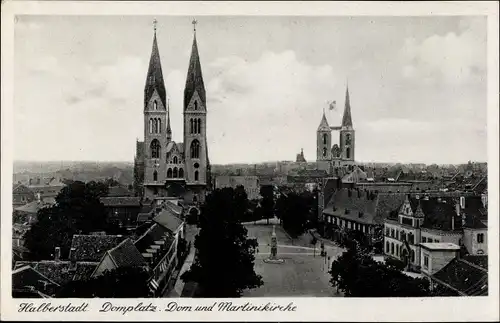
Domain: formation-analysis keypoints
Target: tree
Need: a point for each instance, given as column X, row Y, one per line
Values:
column 358, row 275
column 267, row 202
column 77, row 210
column 224, row 262
column 123, row 282
column 294, row 214
column 240, row 202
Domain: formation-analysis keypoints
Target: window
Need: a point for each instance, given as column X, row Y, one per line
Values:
column 175, row 174
column 181, row 173
column 397, row 251
column 195, row 149
column 393, row 234
column 424, row 239
column 387, row 231
column 411, row 239
column 196, row 175
column 412, row 255
column 169, row 173
column 190, row 125
column 199, row 126
column 175, row 160
column 155, row 176
column 429, row 240
column 155, row 149
column 159, row 126
column 324, row 152
column 325, row 139
column 150, row 125
column 196, row 165
column 392, row 247
column 426, row 261
column 155, row 191
column 195, row 105
column 387, row 248
column 348, row 152
column 155, row 105
column 480, row 238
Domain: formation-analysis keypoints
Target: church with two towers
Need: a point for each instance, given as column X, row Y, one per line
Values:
column 163, row 167
column 328, row 156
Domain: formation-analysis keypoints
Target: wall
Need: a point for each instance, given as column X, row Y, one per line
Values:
column 471, row 243
column 441, row 236
column 106, row 264
column 437, row 260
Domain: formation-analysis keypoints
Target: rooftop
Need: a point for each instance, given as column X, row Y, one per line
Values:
column 93, row 247
column 124, row 201
column 464, row 278
column 440, row 246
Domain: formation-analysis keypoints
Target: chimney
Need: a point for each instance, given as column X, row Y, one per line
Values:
column 57, row 254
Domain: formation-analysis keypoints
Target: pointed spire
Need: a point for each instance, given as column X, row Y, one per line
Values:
column 194, row 79
column 154, row 79
column 323, row 125
column 169, row 130
column 346, row 119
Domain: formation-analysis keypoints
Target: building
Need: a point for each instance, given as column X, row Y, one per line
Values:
column 250, row 183
column 21, row 195
column 338, row 155
column 300, row 157
column 46, row 188
column 155, row 250
column 29, row 283
column 358, row 210
column 163, row 166
column 434, row 220
column 123, row 209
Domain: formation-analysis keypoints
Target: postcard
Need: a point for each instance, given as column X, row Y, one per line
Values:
column 246, row 161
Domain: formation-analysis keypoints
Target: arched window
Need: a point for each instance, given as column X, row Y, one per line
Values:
column 348, row 152
column 190, row 125
column 195, row 105
column 169, row 173
column 155, row 176
column 195, row 125
column 195, row 149
column 392, row 247
column 175, row 172
column 196, row 175
column 325, row 139
column 150, row 125
column 181, row 173
column 199, row 126
column 155, row 149
column 159, row 125
column 155, row 125
column 175, row 160
column 324, row 152
column 155, row 105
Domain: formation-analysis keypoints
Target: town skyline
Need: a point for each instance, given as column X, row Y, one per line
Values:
column 278, row 85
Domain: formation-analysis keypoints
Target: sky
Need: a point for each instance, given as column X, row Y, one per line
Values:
column 417, row 85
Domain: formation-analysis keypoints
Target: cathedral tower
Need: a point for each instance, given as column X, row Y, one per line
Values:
column 347, row 133
column 195, row 126
column 155, row 123
column 323, row 140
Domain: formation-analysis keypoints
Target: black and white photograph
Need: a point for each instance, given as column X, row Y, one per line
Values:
column 250, row 156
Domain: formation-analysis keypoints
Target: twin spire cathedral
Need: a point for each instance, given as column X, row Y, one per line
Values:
column 338, row 155
column 163, row 167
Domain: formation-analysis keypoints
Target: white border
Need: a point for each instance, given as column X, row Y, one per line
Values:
column 318, row 309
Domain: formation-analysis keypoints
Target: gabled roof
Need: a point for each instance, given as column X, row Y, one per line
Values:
column 124, row 201
column 32, row 207
column 194, row 78
column 60, row 272
column 93, row 247
column 168, row 220
column 27, row 276
column 126, row 254
column 463, row 277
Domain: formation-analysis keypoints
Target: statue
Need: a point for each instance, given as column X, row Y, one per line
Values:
column 273, row 258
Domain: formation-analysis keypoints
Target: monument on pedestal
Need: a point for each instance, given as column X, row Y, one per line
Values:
column 273, row 258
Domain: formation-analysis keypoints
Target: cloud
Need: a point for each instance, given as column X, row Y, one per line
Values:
column 277, row 97
column 454, row 58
